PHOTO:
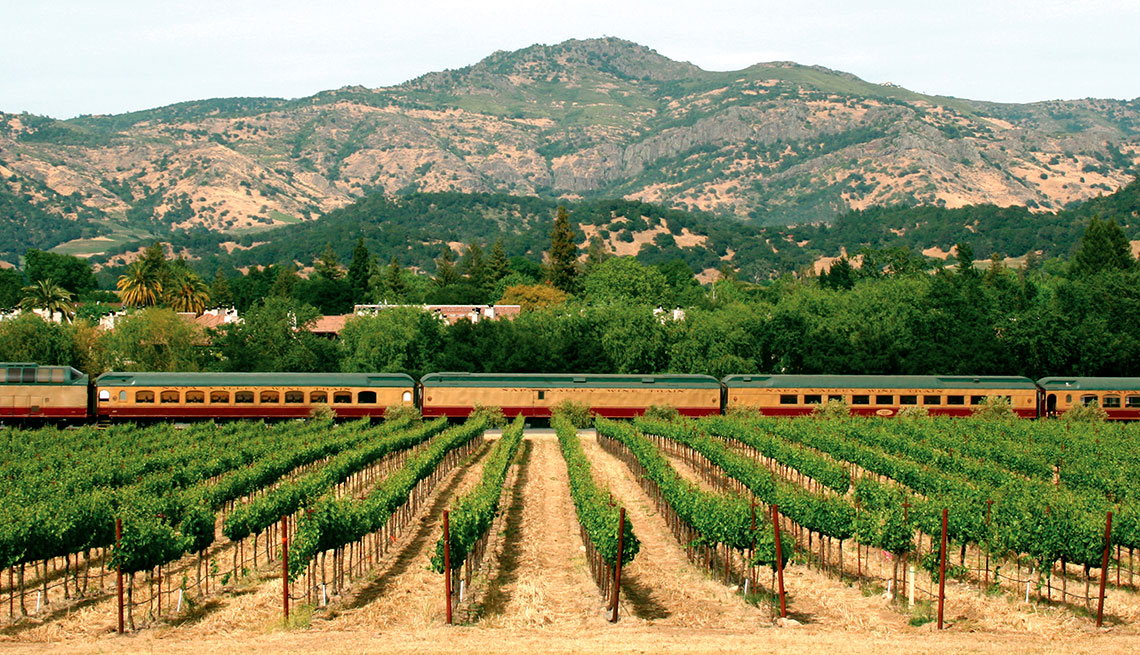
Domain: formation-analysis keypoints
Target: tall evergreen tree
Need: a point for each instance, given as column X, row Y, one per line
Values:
column 221, row 293
column 359, row 269
column 327, row 265
column 497, row 264
column 1103, row 247
column 596, row 253
column 445, row 271
column 396, row 290
column 562, row 271
column 474, row 266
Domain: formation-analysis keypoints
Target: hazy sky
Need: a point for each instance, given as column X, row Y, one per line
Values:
column 68, row 57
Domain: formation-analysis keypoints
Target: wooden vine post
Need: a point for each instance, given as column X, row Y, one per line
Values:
column 942, row 570
column 779, row 561
column 447, row 563
column 617, row 566
column 1104, row 569
column 119, row 571
column 285, row 566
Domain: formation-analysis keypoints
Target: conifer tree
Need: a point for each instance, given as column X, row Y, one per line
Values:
column 1103, row 247
column 445, row 272
column 497, row 263
column 359, row 269
column 328, row 265
column 562, row 271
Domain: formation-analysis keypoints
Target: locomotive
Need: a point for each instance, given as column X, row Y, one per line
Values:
column 33, row 393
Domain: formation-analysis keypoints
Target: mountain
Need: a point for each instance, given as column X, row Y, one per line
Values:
column 776, row 143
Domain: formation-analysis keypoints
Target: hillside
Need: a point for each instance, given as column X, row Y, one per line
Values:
column 776, row 143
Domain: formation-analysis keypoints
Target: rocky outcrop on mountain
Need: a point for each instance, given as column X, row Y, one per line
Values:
column 774, row 143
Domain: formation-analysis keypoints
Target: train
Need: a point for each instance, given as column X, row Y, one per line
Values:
column 31, row 393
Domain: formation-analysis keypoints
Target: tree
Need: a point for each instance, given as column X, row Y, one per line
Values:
column 50, row 297
column 497, row 264
column 474, row 266
column 359, row 270
column 1103, row 247
column 188, row 293
column 400, row 339
column 841, row 275
column 71, row 273
column 140, row 285
column 274, row 336
column 327, row 265
column 154, row 260
column 29, row 338
column 597, row 253
column 562, row 270
column 394, row 289
column 11, row 287
column 533, row 296
column 221, row 293
column 445, row 272
column 153, row 339
column 624, row 279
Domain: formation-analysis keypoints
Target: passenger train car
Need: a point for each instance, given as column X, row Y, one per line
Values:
column 29, row 392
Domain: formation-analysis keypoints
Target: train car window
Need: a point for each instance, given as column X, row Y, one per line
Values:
column 43, row 375
column 366, row 398
column 243, row 397
column 104, row 395
column 1132, row 401
column 29, row 375
column 219, row 397
column 860, row 400
column 270, row 397
column 294, row 397
column 977, row 400
column 13, row 375
column 123, row 396
column 407, row 397
column 144, row 396
column 318, row 397
column 955, row 400
column 932, row 400
column 196, row 397
column 834, row 398
column 59, row 374
column 1068, row 397
column 908, row 400
column 813, row 399
column 1112, row 401
column 1089, row 399
column 542, row 395
column 342, row 398
column 884, row 399
column 789, row 399
column 170, row 396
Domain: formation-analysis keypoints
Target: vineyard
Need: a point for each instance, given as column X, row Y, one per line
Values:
column 726, row 523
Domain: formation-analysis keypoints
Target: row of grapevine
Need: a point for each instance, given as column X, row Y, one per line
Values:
column 823, row 470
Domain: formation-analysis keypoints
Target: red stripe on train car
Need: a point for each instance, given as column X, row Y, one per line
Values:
column 47, row 412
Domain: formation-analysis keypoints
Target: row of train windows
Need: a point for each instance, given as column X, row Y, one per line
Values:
column 36, row 375
column 1109, row 402
column 883, row 399
column 246, row 397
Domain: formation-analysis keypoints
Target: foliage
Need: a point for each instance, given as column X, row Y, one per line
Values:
column 273, row 337
column 994, row 408
column 45, row 294
column 71, row 273
column 1085, row 413
column 402, row 413
column 832, row 409
column 152, row 339
column 473, row 513
column 533, row 296
column 623, row 279
column 575, row 413
column 562, row 269
column 490, row 415
column 322, row 413
column 919, row 412
column 395, row 340
column 29, row 338
column 593, row 504
column 661, row 413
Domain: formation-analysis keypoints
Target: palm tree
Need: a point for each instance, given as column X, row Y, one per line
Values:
column 139, row 286
column 50, row 297
column 188, row 293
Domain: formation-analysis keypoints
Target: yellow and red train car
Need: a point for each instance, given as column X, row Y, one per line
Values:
column 249, row 395
column 1118, row 397
column 31, row 391
column 614, row 396
column 881, row 395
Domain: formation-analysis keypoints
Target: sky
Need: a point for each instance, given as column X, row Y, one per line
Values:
column 63, row 58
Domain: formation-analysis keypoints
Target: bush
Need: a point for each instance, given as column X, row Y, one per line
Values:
column 402, row 411
column 494, row 415
column 995, row 408
column 578, row 414
column 662, row 413
column 744, row 411
column 914, row 411
column 322, row 413
column 831, row 409
column 1085, row 413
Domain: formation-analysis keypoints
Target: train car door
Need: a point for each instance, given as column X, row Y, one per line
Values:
column 21, row 403
column 1051, row 405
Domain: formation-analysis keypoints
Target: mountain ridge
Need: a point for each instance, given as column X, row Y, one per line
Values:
column 773, row 143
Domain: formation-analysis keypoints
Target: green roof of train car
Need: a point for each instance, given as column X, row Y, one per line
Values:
column 555, row 380
column 878, row 382
column 121, row 379
column 1089, row 384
